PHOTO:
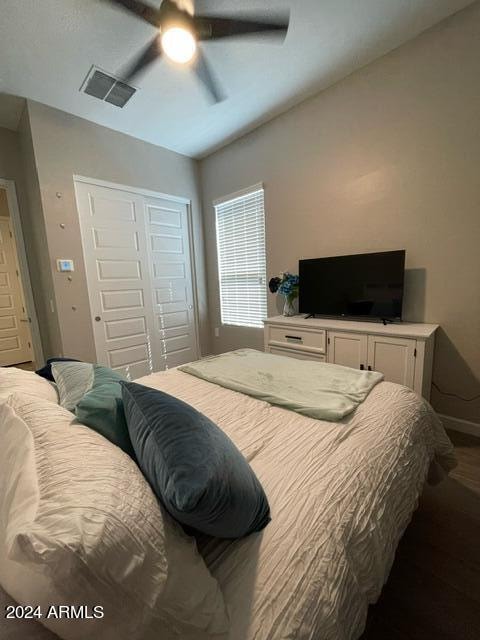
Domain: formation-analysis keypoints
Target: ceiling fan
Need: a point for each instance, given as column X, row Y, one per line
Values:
column 179, row 34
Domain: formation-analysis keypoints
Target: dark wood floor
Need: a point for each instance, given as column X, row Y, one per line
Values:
column 433, row 592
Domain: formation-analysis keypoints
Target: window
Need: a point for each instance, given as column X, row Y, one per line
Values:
column 242, row 268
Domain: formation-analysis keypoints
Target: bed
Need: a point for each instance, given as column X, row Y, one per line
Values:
column 341, row 496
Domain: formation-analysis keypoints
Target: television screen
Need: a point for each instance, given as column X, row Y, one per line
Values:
column 366, row 285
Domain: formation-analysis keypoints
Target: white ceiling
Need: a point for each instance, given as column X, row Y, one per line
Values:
column 47, row 48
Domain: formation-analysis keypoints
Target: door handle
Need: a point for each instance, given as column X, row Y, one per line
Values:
column 369, row 368
column 362, row 367
column 97, row 318
column 25, row 320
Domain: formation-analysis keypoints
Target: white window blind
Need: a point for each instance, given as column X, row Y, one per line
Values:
column 241, row 259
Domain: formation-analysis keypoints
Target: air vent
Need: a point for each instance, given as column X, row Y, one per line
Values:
column 104, row 86
column 120, row 94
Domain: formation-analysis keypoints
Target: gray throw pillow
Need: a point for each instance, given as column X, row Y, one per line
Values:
column 94, row 394
column 195, row 470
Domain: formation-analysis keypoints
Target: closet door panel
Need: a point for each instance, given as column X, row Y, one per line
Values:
column 116, row 261
column 168, row 241
column 138, row 264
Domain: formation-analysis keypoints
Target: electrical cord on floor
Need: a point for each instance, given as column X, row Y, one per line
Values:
column 454, row 395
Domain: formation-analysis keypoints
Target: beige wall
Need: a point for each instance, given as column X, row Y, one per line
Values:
column 9, row 153
column 65, row 145
column 4, row 212
column 387, row 159
column 10, row 162
column 16, row 163
column 36, row 245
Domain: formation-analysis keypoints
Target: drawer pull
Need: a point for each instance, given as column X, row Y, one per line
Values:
column 294, row 338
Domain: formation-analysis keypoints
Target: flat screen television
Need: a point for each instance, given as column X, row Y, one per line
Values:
column 368, row 285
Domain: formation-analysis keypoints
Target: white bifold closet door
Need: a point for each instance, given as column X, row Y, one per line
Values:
column 139, row 273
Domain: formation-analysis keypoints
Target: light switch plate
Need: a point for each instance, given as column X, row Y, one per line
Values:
column 65, row 265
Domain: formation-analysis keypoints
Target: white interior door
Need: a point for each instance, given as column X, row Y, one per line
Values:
column 123, row 243
column 15, row 340
column 168, row 236
column 347, row 349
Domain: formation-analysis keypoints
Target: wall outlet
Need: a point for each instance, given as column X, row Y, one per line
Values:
column 217, row 332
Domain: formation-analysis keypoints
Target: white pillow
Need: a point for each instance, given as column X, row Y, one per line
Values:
column 79, row 525
column 14, row 380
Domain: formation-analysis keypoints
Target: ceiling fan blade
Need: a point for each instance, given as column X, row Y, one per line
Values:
column 202, row 69
column 148, row 55
column 140, row 9
column 213, row 28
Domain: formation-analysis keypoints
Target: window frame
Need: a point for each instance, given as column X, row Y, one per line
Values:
column 243, row 193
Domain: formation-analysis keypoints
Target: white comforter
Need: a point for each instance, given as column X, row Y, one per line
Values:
column 341, row 496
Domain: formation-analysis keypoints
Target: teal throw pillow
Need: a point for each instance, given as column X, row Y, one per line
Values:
column 93, row 393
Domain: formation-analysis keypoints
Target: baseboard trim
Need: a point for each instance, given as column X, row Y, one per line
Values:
column 457, row 424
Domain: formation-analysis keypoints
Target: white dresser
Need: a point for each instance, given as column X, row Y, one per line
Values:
column 403, row 351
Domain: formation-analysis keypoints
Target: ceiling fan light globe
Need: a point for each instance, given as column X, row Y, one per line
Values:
column 179, row 45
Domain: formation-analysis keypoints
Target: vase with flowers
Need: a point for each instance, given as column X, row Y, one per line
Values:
column 287, row 285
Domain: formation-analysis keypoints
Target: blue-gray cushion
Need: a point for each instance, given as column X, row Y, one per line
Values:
column 93, row 393
column 195, row 470
column 46, row 370
column 74, row 380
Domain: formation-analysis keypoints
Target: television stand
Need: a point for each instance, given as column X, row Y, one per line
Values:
column 402, row 351
column 386, row 321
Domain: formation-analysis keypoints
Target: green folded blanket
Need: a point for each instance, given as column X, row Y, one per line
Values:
column 315, row 389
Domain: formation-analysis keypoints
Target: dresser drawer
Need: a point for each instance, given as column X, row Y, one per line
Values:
column 297, row 338
column 299, row 355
